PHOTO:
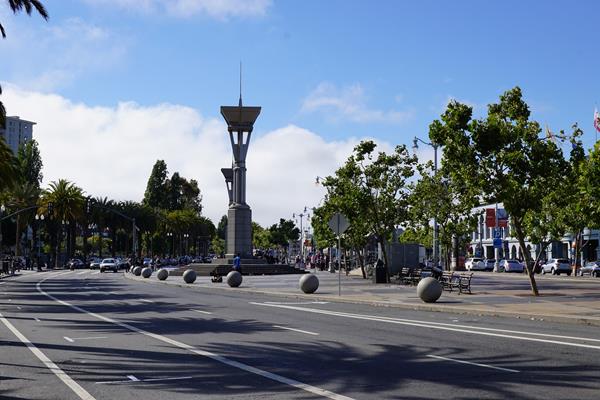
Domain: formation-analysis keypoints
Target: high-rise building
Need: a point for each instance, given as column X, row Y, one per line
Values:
column 17, row 131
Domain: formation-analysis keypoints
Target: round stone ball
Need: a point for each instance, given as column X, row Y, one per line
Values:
column 429, row 290
column 162, row 274
column 137, row 271
column 309, row 283
column 234, row 279
column 147, row 272
column 189, row 276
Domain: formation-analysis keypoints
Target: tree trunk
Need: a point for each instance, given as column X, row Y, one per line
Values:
column 18, row 236
column 528, row 266
column 385, row 257
column 361, row 262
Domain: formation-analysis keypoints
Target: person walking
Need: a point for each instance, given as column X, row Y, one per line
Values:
column 237, row 263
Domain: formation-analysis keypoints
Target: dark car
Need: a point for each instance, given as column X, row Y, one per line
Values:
column 75, row 263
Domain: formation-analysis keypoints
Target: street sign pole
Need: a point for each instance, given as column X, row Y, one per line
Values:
column 338, row 224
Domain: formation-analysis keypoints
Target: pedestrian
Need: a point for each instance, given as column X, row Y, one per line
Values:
column 237, row 263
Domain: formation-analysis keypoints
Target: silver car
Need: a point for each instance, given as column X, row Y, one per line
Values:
column 109, row 263
column 556, row 266
column 592, row 268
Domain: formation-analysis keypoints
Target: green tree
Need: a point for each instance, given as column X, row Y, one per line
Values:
column 261, row 237
column 9, row 170
column 222, row 228
column 372, row 190
column 502, row 156
column 156, row 194
column 67, row 201
column 30, row 163
column 283, row 232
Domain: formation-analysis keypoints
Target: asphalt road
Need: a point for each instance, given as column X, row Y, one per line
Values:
column 83, row 335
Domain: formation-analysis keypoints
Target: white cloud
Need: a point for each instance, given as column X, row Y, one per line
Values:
column 110, row 151
column 58, row 54
column 219, row 9
column 349, row 103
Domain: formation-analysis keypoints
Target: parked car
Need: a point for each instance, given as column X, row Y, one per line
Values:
column 592, row 268
column 109, row 264
column 489, row 264
column 511, row 266
column 475, row 264
column 123, row 263
column 556, row 266
column 95, row 263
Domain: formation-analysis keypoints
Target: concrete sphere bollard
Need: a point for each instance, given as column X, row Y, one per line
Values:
column 147, row 272
column 309, row 283
column 234, row 279
column 189, row 276
column 137, row 271
column 162, row 274
column 429, row 290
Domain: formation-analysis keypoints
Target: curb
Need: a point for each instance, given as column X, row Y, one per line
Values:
column 576, row 320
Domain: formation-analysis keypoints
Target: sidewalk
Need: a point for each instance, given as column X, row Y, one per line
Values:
column 569, row 300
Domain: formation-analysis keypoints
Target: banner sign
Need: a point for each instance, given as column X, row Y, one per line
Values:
column 490, row 217
column 502, row 218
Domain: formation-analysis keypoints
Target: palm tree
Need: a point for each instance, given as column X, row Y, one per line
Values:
column 68, row 202
column 17, row 6
column 22, row 196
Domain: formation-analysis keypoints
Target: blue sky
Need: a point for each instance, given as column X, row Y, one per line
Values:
column 341, row 70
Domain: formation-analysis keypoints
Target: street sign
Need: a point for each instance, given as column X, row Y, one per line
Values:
column 497, row 233
column 339, row 223
column 497, row 243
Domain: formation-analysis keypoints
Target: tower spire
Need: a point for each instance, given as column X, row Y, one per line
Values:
column 240, row 103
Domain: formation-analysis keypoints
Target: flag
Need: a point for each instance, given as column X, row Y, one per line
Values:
column 596, row 120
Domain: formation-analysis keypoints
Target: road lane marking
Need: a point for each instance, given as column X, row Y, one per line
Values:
column 95, row 272
column 68, row 339
column 295, row 330
column 82, row 272
column 297, row 303
column 2, row 283
column 178, row 378
column 472, row 363
column 19, row 307
column 37, row 319
column 147, row 301
column 213, row 356
column 85, row 338
column 133, row 378
column 113, row 292
column 441, row 326
column 202, row 312
column 63, row 376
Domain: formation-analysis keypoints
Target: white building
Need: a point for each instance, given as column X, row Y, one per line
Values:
column 482, row 242
column 17, row 131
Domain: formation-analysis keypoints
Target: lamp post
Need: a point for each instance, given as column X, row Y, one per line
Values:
column 39, row 218
column 416, row 141
column 2, row 209
column 301, row 215
column 186, row 236
column 170, row 234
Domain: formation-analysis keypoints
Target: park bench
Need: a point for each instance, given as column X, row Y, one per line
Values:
column 405, row 275
column 464, row 283
column 461, row 282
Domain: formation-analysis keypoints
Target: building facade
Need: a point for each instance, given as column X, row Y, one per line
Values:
column 17, row 132
column 482, row 243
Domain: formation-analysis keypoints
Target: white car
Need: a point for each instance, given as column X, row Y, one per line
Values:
column 557, row 265
column 109, row 263
column 475, row 264
column 511, row 266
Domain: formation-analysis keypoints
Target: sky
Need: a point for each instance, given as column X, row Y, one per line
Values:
column 115, row 85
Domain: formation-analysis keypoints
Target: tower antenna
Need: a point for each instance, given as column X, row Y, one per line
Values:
column 240, row 83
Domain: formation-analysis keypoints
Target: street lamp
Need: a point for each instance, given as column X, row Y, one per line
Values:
column 170, row 234
column 416, row 141
column 39, row 218
column 186, row 236
column 301, row 215
column 2, row 209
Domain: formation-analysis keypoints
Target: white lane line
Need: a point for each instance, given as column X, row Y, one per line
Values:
column 2, row 283
column 112, row 292
column 447, row 327
column 133, row 378
column 145, row 380
column 68, row 339
column 147, row 301
column 295, row 330
column 82, row 272
column 89, row 338
column 95, row 272
column 37, row 319
column 63, row 376
column 213, row 356
column 19, row 307
column 202, row 312
column 297, row 303
column 471, row 363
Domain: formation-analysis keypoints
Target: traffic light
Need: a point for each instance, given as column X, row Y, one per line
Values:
column 50, row 209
